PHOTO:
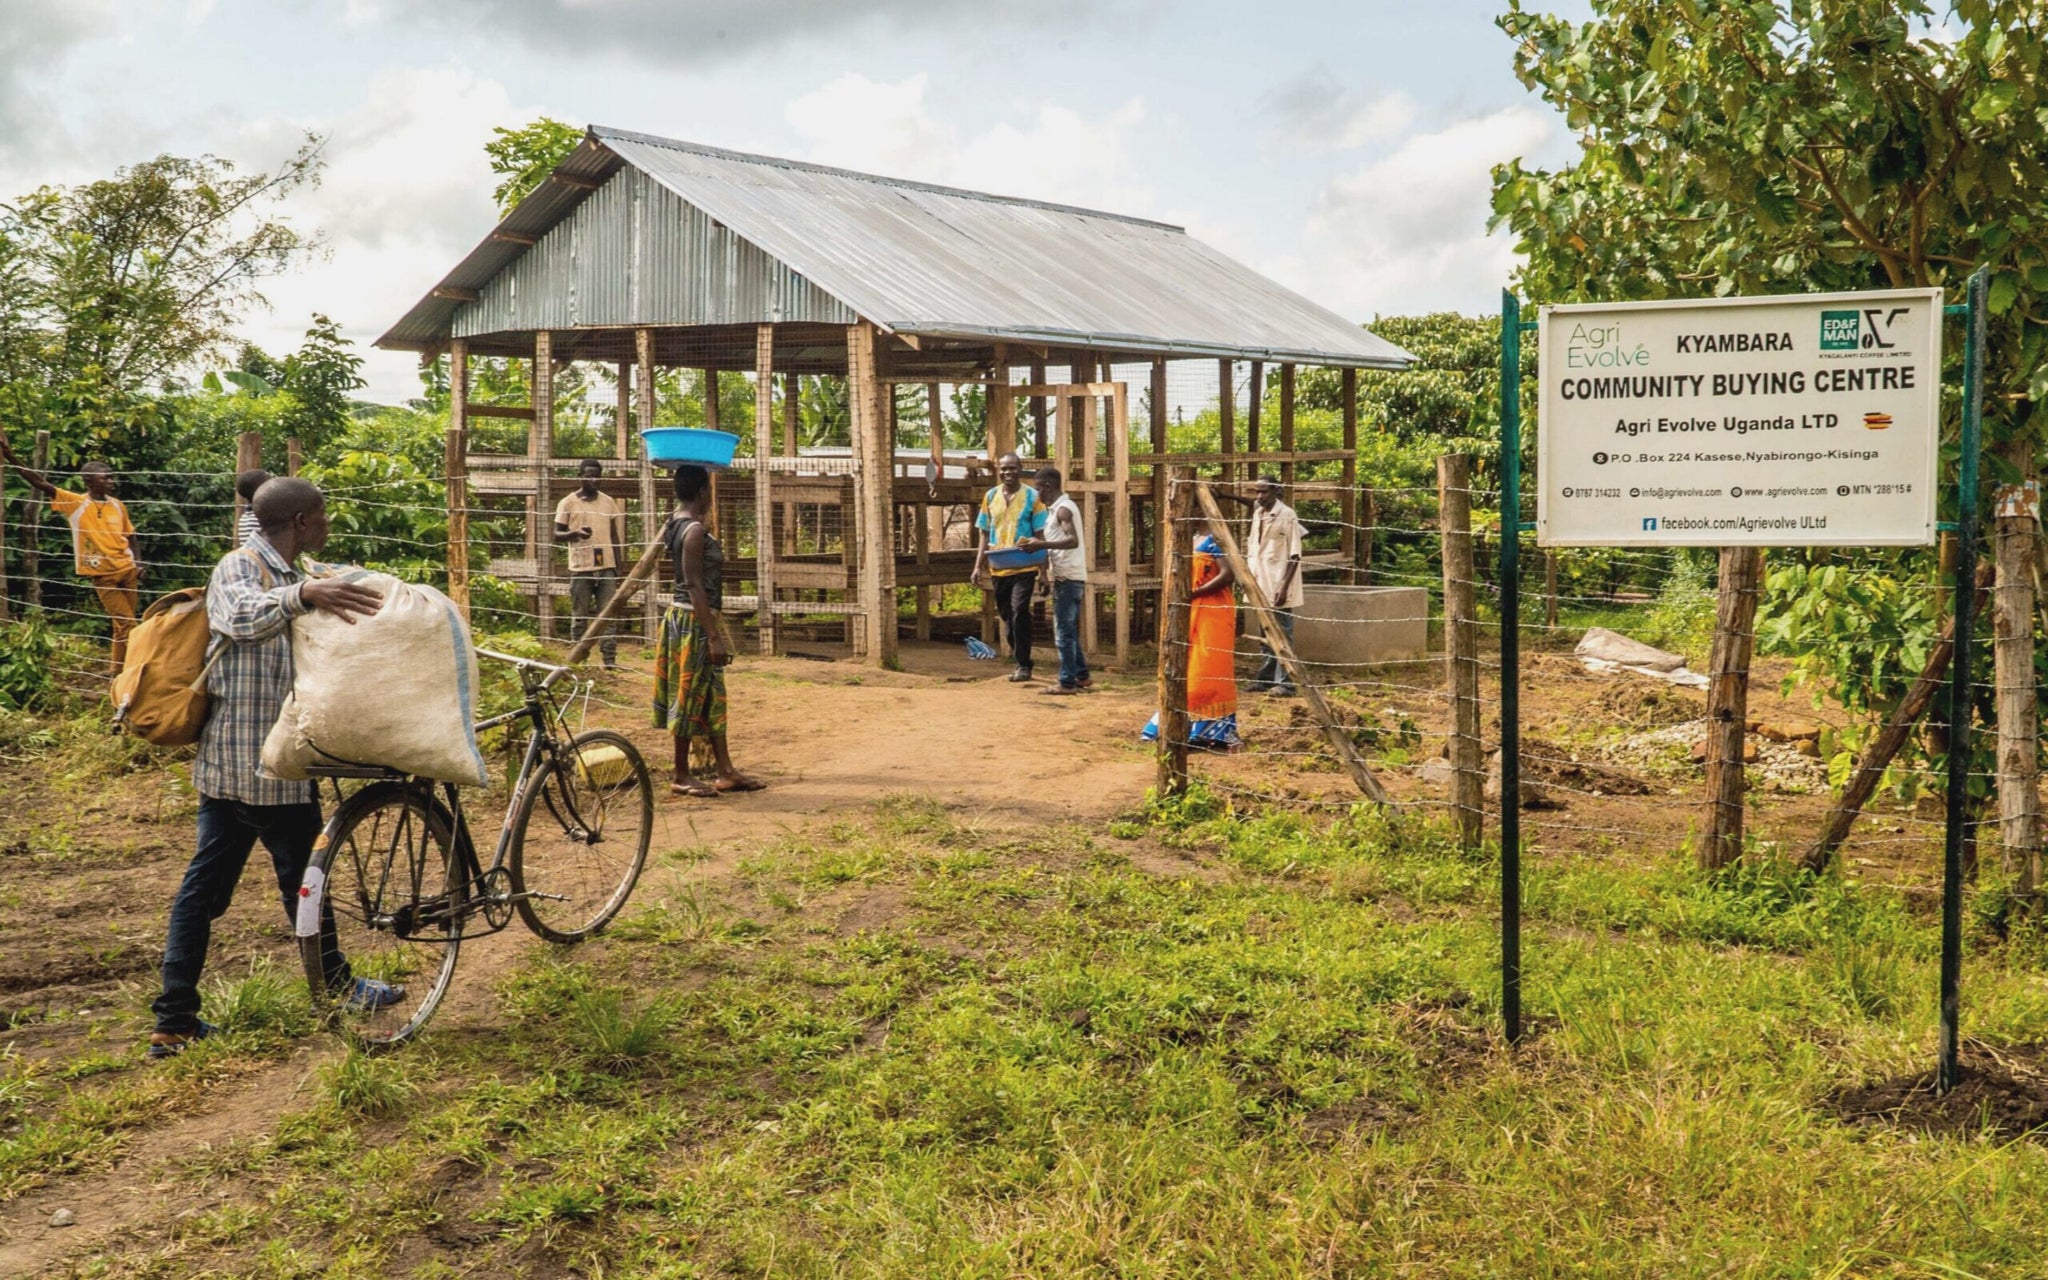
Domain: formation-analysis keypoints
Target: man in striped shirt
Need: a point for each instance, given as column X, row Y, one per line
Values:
column 251, row 600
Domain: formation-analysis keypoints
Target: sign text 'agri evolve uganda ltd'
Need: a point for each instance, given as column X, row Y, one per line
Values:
column 1801, row 420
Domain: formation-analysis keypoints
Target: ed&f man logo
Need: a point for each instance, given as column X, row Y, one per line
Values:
column 1868, row 329
column 1649, row 524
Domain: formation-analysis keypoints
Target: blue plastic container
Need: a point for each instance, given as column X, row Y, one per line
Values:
column 690, row 446
column 1011, row 558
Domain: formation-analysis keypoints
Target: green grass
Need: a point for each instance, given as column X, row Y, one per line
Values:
column 1044, row 1061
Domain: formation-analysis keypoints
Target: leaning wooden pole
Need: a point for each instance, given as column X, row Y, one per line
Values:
column 1177, row 545
column 2019, row 776
column 1877, row 756
column 1277, row 641
column 32, row 528
column 1461, row 644
column 643, row 571
column 1720, row 841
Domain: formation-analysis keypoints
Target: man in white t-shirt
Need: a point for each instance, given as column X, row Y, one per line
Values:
column 1066, row 565
column 588, row 522
column 1273, row 551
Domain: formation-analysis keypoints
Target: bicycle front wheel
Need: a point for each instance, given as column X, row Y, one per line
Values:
column 579, row 836
column 380, row 914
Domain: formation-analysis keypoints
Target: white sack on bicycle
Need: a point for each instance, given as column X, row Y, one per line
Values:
column 397, row 689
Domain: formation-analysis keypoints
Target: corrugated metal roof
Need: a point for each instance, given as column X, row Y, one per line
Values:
column 913, row 258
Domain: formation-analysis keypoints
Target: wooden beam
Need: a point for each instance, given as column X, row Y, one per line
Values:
column 875, row 455
column 1287, row 428
column 1226, row 410
column 765, row 550
column 523, row 413
column 1177, row 543
column 1120, row 512
column 653, row 516
column 622, row 412
column 580, row 184
column 1276, row 640
column 1002, row 408
column 1720, row 840
column 1254, row 411
column 1038, row 443
column 456, row 471
column 515, row 237
column 540, row 449
column 1347, row 501
column 454, row 294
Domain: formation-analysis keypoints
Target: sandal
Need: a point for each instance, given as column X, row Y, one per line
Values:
column 696, row 788
column 739, row 782
column 169, row 1044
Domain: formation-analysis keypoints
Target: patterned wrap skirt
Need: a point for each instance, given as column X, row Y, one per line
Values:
column 689, row 689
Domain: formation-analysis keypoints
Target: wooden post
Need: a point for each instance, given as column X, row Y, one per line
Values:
column 1002, row 406
column 1348, row 540
column 1728, row 705
column 792, row 404
column 1177, row 546
column 1226, row 412
column 764, row 506
column 1254, row 411
column 1158, row 506
column 1086, row 426
column 1276, row 640
column 456, row 463
column 1287, row 429
column 1461, row 646
column 1038, row 441
column 1550, row 588
column 622, row 412
column 294, row 457
column 936, row 429
column 248, row 456
column 32, row 525
column 540, row 449
column 653, row 512
column 1368, row 522
column 1898, row 726
column 874, row 453
column 2019, row 805
column 711, row 423
column 1120, row 511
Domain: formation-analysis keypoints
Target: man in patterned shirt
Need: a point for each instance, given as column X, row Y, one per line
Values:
column 250, row 603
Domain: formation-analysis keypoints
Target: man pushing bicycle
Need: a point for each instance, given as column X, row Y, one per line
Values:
column 254, row 594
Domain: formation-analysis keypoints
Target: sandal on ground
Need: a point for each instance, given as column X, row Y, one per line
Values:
column 695, row 787
column 739, row 782
column 169, row 1044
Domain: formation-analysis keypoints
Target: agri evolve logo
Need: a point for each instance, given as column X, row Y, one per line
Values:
column 1869, row 329
column 1602, row 347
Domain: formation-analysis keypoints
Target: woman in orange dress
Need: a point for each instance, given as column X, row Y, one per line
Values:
column 1212, row 652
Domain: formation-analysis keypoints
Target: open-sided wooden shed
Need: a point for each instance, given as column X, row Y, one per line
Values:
column 646, row 253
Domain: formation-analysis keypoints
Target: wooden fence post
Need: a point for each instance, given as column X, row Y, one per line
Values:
column 6, row 608
column 1728, row 705
column 1461, row 645
column 2019, row 802
column 32, row 526
column 764, row 503
column 455, row 465
column 294, row 457
column 653, row 513
column 1177, row 547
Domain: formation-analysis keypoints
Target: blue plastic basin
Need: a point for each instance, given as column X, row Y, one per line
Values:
column 690, row 446
column 1012, row 558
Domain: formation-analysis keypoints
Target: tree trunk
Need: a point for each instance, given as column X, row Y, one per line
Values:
column 1728, row 706
column 1177, row 547
column 2019, row 802
column 1461, row 645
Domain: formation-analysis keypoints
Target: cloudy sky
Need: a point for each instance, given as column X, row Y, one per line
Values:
column 1342, row 146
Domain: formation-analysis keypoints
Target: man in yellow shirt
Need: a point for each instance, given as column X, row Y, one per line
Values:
column 102, row 540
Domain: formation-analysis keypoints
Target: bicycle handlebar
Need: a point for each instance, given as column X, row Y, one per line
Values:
column 554, row 672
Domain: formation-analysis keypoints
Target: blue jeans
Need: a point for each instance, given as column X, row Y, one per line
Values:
column 228, row 829
column 1271, row 673
column 1066, row 630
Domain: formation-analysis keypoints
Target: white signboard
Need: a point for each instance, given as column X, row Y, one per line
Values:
column 1805, row 420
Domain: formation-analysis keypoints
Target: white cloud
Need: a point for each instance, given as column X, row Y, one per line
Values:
column 1407, row 232
column 1057, row 154
column 405, row 195
column 35, row 36
column 1314, row 111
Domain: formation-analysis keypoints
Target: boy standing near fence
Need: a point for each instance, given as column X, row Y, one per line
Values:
column 103, row 542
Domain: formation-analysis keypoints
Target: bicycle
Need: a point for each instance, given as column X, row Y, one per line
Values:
column 395, row 884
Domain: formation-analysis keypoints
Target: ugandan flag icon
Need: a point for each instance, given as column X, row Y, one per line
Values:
column 1877, row 421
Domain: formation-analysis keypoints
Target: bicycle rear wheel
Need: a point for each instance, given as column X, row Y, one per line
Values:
column 386, row 887
column 580, row 836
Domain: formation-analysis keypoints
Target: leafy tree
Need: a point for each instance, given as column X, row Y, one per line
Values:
column 524, row 157
column 109, row 289
column 1452, row 391
column 321, row 376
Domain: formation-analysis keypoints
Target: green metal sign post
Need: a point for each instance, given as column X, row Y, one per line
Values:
column 1512, row 327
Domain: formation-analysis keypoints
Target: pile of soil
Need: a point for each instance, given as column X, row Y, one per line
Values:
column 2002, row 1092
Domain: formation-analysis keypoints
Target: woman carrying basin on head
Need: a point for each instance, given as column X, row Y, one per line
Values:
column 689, row 665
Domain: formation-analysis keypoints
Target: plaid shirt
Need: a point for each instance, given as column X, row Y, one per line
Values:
column 249, row 682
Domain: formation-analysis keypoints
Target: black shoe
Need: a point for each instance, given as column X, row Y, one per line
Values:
column 1021, row 675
